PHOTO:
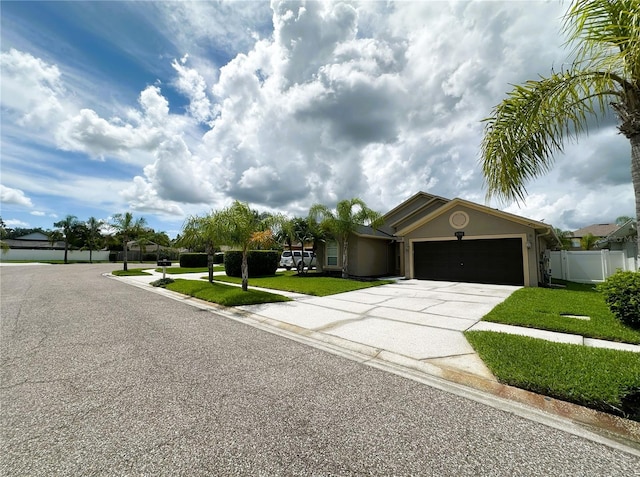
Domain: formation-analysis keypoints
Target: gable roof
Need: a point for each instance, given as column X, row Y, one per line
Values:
column 472, row 205
column 597, row 230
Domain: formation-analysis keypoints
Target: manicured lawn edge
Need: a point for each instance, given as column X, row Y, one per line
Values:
column 179, row 270
column 602, row 379
column 543, row 308
column 132, row 272
column 306, row 284
column 226, row 295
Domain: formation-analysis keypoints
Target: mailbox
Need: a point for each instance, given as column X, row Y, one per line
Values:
column 164, row 263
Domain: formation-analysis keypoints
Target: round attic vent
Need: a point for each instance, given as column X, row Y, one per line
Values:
column 459, row 219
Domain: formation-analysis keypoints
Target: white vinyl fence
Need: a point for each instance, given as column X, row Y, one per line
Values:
column 589, row 266
column 72, row 255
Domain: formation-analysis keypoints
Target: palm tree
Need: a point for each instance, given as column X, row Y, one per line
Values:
column 588, row 241
column 68, row 225
column 243, row 228
column 127, row 227
column 534, row 121
column 349, row 215
column 202, row 232
column 93, row 235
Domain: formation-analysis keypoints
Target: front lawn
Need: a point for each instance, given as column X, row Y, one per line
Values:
column 178, row 270
column 132, row 272
column 306, row 284
column 602, row 379
column 543, row 308
column 226, row 295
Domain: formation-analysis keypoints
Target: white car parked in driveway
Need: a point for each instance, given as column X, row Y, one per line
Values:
column 289, row 261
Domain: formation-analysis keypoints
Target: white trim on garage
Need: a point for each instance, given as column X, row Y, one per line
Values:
column 522, row 237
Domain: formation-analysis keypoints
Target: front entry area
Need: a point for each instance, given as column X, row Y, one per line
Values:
column 497, row 261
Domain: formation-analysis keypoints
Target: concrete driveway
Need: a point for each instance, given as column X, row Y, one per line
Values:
column 416, row 319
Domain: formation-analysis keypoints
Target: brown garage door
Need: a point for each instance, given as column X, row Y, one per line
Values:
column 478, row 261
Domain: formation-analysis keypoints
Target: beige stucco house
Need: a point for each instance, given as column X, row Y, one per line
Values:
column 433, row 238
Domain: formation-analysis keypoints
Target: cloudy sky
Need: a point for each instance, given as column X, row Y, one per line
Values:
column 168, row 109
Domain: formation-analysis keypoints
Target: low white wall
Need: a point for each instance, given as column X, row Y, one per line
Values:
column 588, row 266
column 38, row 255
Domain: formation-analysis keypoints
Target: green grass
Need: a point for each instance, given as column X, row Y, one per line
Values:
column 592, row 377
column 227, row 295
column 307, row 284
column 178, row 270
column 542, row 308
column 132, row 272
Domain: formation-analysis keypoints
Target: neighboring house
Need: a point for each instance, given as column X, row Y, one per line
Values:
column 433, row 238
column 599, row 231
column 623, row 238
column 34, row 241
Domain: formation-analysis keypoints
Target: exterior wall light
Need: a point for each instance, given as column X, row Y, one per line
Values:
column 459, row 234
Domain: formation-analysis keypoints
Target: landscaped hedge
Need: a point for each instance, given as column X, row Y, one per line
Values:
column 193, row 260
column 622, row 293
column 260, row 262
column 218, row 258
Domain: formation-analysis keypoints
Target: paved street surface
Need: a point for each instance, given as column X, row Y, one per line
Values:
column 102, row 378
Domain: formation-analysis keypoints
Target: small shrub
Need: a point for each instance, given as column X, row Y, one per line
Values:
column 193, row 260
column 622, row 293
column 162, row 282
column 113, row 257
column 149, row 257
column 260, row 262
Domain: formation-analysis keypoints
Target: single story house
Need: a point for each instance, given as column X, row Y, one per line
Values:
column 35, row 241
column 433, row 238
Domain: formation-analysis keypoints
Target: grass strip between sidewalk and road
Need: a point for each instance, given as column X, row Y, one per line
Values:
column 306, row 284
column 179, row 270
column 543, row 308
column 226, row 295
column 602, row 379
column 132, row 272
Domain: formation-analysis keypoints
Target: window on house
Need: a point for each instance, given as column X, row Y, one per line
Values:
column 332, row 253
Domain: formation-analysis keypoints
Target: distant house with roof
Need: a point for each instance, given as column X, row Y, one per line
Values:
column 34, row 241
column 599, row 231
column 624, row 237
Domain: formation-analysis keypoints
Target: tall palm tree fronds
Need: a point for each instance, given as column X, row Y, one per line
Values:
column 128, row 227
column 348, row 216
column 533, row 123
column 68, row 225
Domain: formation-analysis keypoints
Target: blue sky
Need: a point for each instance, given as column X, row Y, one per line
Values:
column 169, row 109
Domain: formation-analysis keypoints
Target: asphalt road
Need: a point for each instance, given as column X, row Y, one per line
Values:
column 102, row 378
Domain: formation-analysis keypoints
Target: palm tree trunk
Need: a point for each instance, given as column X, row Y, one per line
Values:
column 245, row 271
column 345, row 258
column 635, row 179
column 66, row 248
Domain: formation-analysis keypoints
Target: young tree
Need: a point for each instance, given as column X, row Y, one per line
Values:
column 68, row 227
column 565, row 238
column 128, row 228
column 202, row 231
column 242, row 228
column 94, row 236
column 534, row 121
column 348, row 216
column 588, row 241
